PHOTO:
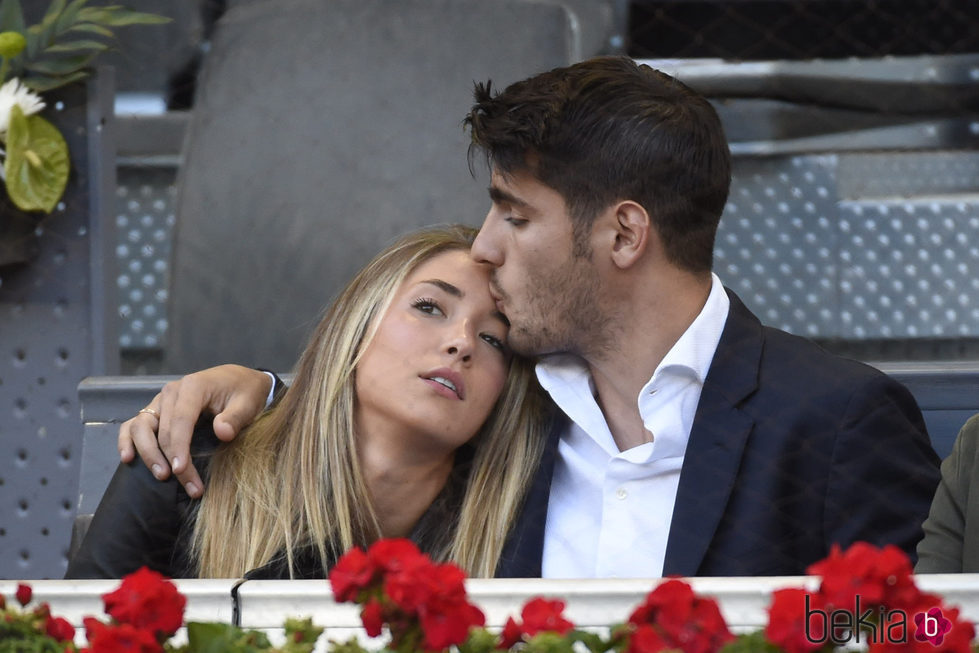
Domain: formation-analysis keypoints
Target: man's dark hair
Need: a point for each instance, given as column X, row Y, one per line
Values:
column 606, row 130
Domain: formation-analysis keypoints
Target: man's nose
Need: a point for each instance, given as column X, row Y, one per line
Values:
column 484, row 249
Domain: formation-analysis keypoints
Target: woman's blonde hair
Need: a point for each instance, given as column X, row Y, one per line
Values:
column 293, row 481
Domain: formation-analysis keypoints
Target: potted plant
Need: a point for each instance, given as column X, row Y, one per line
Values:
column 36, row 60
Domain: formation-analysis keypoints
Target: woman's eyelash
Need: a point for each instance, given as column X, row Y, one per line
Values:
column 494, row 341
column 427, row 305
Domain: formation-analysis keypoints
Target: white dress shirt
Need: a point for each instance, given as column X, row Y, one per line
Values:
column 609, row 511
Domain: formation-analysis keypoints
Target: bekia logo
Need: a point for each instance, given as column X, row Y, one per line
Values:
column 891, row 626
column 931, row 626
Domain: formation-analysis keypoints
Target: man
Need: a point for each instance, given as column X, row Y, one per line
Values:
column 694, row 441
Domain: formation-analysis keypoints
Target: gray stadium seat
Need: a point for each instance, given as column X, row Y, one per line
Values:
column 321, row 131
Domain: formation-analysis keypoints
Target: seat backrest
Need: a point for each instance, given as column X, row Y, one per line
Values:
column 321, row 132
column 948, row 394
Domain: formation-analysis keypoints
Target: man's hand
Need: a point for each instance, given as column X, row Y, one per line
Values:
column 235, row 395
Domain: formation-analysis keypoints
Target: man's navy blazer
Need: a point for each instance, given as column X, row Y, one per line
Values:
column 792, row 450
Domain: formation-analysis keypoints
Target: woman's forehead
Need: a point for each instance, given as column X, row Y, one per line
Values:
column 453, row 264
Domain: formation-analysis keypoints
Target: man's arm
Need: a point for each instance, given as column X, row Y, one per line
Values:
column 235, row 395
column 884, row 470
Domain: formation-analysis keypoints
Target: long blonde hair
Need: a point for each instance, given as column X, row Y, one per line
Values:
column 293, row 480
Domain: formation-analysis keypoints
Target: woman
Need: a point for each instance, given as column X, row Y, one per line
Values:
column 407, row 417
column 951, row 542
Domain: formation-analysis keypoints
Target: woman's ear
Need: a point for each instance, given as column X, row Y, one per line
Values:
column 633, row 231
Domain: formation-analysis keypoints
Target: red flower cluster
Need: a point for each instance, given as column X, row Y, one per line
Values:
column 673, row 617
column 877, row 576
column 423, row 604
column 148, row 601
column 36, row 622
column 787, row 621
column 23, row 594
column 538, row 615
column 866, row 592
column 118, row 638
column 146, row 610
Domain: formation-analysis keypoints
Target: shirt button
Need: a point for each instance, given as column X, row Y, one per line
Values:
column 621, row 493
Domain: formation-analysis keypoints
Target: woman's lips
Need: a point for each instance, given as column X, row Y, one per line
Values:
column 446, row 382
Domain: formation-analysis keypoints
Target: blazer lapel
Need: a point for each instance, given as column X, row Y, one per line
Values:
column 717, row 441
column 524, row 548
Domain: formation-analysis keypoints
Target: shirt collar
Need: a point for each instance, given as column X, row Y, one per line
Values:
column 566, row 375
column 695, row 349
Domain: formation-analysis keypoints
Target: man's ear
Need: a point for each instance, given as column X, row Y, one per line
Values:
column 633, row 231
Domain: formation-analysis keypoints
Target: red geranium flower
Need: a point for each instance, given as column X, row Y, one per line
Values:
column 787, row 621
column 146, row 599
column 58, row 628
column 414, row 582
column 449, row 624
column 395, row 555
column 420, row 601
column 682, row 619
column 646, row 639
column 352, row 573
column 371, row 617
column 877, row 576
column 119, row 638
column 538, row 615
column 24, row 594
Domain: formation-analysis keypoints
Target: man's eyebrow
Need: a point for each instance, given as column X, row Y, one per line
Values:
column 500, row 196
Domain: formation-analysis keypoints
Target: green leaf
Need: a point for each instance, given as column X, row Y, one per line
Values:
column 37, row 162
column 117, row 16
column 63, row 65
column 33, row 36
column 54, row 9
column 754, row 642
column 211, row 637
column 479, row 640
column 301, row 635
column 593, row 642
column 42, row 83
column 46, row 26
column 68, row 16
column 74, row 46
column 349, row 646
column 11, row 16
column 91, row 28
column 224, row 638
column 548, row 642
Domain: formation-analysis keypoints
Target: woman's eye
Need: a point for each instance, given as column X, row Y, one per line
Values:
column 516, row 222
column 427, row 306
column 494, row 341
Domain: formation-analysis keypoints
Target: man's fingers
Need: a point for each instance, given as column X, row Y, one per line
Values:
column 191, row 481
column 140, row 435
column 124, row 442
column 239, row 412
column 180, row 407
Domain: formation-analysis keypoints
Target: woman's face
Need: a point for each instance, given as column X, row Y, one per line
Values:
column 438, row 360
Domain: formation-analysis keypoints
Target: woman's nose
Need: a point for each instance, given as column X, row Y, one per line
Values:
column 461, row 343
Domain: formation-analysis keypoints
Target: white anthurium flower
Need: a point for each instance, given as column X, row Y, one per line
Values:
column 13, row 92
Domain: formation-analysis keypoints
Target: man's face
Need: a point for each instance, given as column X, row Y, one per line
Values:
column 547, row 289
